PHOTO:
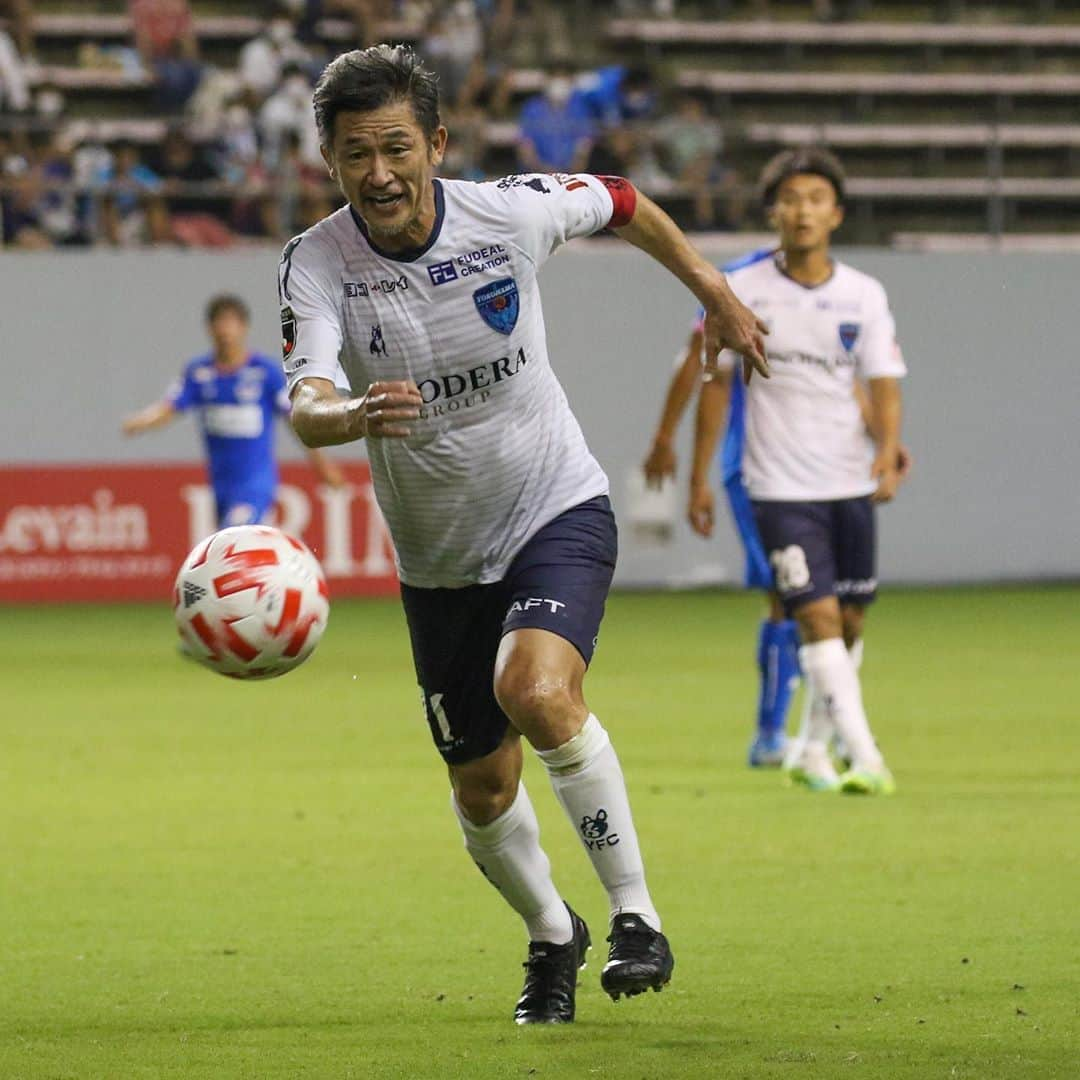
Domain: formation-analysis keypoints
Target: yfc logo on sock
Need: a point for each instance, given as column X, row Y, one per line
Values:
column 594, row 831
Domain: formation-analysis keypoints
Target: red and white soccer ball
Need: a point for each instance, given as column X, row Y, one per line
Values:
column 251, row 602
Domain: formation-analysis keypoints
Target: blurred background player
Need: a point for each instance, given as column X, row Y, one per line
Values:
column 812, row 495
column 777, row 653
column 778, row 635
column 237, row 393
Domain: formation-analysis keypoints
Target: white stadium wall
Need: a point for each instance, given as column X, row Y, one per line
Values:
column 992, row 401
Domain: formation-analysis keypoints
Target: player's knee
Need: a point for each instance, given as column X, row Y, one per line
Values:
column 853, row 618
column 534, row 697
column 483, row 794
column 819, row 620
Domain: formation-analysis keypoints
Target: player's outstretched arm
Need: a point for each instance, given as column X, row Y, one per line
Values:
column 660, row 462
column 711, row 408
column 886, row 411
column 729, row 324
column 322, row 417
column 153, row 416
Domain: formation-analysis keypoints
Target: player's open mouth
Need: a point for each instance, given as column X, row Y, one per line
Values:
column 385, row 202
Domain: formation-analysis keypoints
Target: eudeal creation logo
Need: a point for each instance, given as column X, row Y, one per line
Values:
column 472, row 262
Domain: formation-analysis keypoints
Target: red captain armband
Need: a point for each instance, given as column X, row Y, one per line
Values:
column 623, row 200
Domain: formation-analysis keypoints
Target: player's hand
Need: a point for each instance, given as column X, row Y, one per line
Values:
column 660, row 464
column 885, row 471
column 702, row 509
column 730, row 324
column 904, row 461
column 387, row 408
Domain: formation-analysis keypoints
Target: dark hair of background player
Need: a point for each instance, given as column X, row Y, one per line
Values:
column 815, row 160
column 218, row 305
column 367, row 79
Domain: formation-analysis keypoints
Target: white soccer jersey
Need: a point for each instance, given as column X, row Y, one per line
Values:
column 496, row 453
column 805, row 436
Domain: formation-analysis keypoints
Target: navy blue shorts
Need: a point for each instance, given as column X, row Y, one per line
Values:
column 820, row 549
column 558, row 581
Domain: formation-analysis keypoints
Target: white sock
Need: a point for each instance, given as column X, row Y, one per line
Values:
column 833, row 680
column 855, row 652
column 809, row 749
column 509, row 855
column 588, row 781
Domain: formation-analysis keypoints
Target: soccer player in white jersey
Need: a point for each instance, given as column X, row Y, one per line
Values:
column 812, row 470
column 411, row 317
column 777, row 651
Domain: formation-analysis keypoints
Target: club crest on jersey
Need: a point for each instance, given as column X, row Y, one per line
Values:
column 288, row 331
column 498, row 304
column 849, row 334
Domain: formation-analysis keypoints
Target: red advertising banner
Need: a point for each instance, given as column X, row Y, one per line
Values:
column 120, row 532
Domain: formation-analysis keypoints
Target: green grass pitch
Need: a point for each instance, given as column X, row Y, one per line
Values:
column 205, row 879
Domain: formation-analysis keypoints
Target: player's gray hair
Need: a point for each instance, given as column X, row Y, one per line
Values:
column 815, row 160
column 366, row 79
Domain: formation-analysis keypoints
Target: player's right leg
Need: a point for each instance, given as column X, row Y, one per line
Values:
column 455, row 634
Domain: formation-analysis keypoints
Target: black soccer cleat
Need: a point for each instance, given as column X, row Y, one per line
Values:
column 551, row 978
column 639, row 959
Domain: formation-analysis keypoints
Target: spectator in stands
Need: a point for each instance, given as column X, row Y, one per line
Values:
column 188, row 179
column 289, row 110
column 556, row 129
column 302, row 190
column 619, row 95
column 453, row 45
column 623, row 151
column 20, row 20
column 165, row 38
column 133, row 211
column 690, row 142
column 263, row 59
column 42, row 206
column 14, row 85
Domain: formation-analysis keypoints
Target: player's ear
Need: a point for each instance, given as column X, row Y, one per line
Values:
column 328, row 157
column 837, row 216
column 437, row 146
column 770, row 217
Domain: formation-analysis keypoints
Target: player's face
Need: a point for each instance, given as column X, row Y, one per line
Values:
column 805, row 213
column 384, row 165
column 228, row 331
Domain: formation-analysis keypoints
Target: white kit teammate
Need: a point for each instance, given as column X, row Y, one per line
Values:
column 412, row 318
column 812, row 470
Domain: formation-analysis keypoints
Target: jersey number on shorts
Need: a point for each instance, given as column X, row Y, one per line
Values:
column 441, row 718
column 790, row 569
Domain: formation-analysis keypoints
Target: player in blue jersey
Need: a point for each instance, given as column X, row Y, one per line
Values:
column 237, row 394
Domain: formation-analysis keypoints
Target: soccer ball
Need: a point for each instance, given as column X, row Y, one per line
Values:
column 251, row 602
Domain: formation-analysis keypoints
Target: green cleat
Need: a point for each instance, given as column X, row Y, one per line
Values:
column 868, row 782
column 811, row 780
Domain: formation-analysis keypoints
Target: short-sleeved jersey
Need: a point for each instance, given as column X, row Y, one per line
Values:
column 496, row 453
column 236, row 411
column 805, row 437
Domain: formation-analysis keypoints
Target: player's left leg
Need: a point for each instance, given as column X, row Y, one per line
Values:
column 778, row 671
column 559, row 583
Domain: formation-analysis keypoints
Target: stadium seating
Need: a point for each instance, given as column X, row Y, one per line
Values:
column 950, row 115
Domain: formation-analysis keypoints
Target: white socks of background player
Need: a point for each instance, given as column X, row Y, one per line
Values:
column 588, row 781
column 509, row 855
column 833, row 683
